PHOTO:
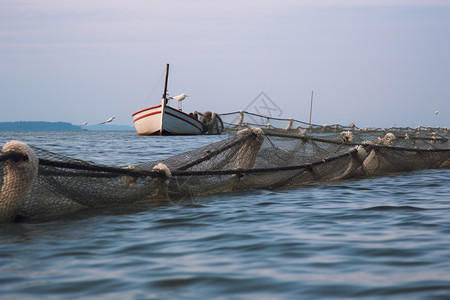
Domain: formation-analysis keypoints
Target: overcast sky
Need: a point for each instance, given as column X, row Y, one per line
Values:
column 372, row 62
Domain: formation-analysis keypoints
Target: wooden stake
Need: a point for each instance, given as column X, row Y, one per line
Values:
column 310, row 108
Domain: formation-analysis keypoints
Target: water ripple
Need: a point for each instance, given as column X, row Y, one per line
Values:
column 384, row 237
column 394, row 208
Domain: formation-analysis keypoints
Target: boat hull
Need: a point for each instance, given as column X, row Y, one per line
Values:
column 168, row 121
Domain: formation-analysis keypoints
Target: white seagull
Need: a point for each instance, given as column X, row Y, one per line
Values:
column 179, row 98
column 108, row 121
column 84, row 124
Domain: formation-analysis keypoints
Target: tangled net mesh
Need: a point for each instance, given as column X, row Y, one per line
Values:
column 254, row 158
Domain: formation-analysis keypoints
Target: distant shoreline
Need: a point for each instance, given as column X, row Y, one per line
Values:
column 57, row 126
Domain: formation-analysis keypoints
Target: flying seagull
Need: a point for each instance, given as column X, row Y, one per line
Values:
column 84, row 124
column 108, row 121
column 179, row 98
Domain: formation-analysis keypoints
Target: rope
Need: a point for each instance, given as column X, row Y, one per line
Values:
column 148, row 97
column 118, row 171
column 106, row 171
column 265, row 117
column 370, row 146
column 113, row 171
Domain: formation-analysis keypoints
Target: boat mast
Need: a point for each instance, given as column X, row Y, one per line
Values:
column 164, row 100
column 165, row 83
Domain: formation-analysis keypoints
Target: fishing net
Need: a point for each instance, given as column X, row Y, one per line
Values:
column 235, row 121
column 34, row 181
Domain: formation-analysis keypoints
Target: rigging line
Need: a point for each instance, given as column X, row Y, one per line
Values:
column 101, row 169
column 154, row 87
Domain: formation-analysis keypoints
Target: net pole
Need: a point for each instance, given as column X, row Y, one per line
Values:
column 310, row 107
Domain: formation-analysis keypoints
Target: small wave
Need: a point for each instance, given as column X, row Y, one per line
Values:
column 391, row 207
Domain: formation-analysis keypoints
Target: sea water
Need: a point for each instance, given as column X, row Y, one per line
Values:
column 385, row 237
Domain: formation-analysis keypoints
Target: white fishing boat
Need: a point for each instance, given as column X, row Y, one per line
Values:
column 165, row 120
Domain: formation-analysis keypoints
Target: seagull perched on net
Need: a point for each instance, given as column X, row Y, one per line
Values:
column 179, row 98
column 108, row 121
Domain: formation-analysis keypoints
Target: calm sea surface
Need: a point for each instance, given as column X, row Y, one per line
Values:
column 378, row 238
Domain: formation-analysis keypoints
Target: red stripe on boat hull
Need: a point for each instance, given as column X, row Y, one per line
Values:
column 152, row 126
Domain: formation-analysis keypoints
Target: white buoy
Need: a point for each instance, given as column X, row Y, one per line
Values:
column 19, row 175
